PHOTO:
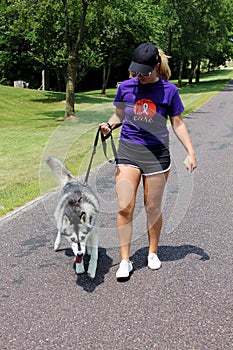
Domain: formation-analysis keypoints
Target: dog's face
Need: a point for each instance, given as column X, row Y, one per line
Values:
column 77, row 231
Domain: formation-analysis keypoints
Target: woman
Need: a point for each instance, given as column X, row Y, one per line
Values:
column 143, row 104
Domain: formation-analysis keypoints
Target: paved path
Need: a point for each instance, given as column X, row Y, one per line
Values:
column 187, row 304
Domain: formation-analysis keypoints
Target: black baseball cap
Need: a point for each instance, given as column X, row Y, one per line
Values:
column 145, row 58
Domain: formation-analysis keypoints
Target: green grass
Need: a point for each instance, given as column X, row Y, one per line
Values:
column 194, row 95
column 30, row 128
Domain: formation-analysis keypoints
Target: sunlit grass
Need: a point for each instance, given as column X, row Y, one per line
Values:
column 194, row 95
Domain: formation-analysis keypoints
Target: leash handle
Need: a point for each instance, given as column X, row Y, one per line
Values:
column 104, row 145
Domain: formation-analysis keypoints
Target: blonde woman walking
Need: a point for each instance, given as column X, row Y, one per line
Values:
column 143, row 104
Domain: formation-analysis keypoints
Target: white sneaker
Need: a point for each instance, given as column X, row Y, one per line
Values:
column 124, row 269
column 153, row 261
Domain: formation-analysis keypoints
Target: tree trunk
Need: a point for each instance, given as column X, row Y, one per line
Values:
column 106, row 74
column 169, row 47
column 70, row 86
column 73, row 43
column 180, row 72
column 58, row 80
column 198, row 72
column 192, row 71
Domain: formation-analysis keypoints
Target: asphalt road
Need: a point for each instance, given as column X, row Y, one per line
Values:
column 187, row 304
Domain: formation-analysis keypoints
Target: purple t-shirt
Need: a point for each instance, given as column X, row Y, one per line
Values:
column 147, row 107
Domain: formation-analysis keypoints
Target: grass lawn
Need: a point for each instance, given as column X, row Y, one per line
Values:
column 30, row 129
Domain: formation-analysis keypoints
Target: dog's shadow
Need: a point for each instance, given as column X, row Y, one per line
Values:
column 167, row 253
column 103, row 266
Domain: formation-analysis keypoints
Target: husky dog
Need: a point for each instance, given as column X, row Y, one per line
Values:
column 75, row 217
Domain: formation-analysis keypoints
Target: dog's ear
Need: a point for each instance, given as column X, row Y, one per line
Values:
column 66, row 222
column 61, row 173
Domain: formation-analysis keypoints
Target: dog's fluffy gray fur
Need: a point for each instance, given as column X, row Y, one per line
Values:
column 75, row 216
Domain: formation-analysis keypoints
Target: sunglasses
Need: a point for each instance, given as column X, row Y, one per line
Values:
column 142, row 75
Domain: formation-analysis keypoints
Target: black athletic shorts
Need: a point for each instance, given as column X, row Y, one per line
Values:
column 150, row 160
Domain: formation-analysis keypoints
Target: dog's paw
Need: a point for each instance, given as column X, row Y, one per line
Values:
column 79, row 268
column 56, row 246
column 91, row 273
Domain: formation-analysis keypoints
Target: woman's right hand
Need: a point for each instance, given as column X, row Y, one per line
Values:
column 114, row 122
column 105, row 128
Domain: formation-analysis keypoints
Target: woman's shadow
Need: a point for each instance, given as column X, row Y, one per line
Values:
column 168, row 253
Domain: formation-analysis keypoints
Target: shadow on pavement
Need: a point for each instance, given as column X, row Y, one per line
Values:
column 168, row 253
column 103, row 266
column 139, row 260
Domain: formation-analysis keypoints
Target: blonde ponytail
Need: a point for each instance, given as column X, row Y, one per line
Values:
column 163, row 70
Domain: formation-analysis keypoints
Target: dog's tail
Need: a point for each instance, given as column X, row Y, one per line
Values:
column 61, row 173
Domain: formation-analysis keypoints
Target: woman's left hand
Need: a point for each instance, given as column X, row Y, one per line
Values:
column 191, row 162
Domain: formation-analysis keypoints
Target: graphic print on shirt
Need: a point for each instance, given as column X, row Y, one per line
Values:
column 144, row 110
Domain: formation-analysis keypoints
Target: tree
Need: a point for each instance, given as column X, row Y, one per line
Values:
column 67, row 19
column 114, row 32
column 15, row 63
column 70, row 36
column 54, row 30
column 75, row 15
column 194, row 30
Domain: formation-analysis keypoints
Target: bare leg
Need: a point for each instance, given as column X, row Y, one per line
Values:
column 153, row 193
column 127, row 181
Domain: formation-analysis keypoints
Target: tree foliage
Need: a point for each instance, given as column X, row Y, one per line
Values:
column 68, row 38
